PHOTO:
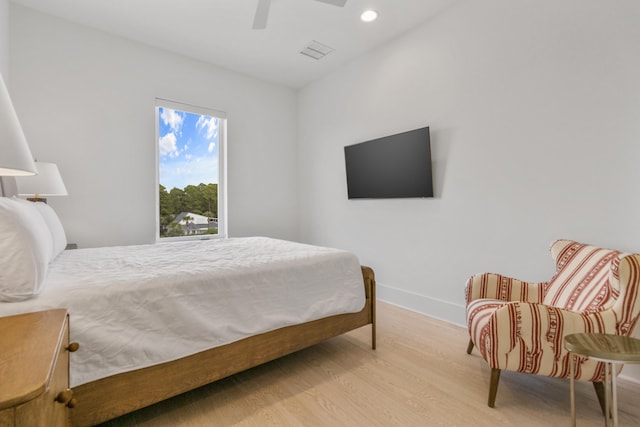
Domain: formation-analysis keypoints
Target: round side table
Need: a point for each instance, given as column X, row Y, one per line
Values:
column 611, row 349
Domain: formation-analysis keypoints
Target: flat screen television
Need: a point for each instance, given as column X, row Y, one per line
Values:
column 396, row 166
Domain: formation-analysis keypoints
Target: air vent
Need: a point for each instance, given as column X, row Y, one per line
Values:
column 316, row 50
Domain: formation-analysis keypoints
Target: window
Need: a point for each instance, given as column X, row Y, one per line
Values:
column 190, row 144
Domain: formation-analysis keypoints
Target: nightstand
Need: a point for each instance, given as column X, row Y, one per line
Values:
column 34, row 368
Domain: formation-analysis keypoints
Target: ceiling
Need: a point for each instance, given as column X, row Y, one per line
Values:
column 219, row 31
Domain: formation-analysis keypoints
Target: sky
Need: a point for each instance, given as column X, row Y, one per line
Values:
column 188, row 148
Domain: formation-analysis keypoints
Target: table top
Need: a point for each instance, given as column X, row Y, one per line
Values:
column 29, row 345
column 604, row 346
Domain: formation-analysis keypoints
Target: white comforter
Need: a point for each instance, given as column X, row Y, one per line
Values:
column 136, row 306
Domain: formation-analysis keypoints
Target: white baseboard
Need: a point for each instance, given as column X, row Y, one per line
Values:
column 432, row 307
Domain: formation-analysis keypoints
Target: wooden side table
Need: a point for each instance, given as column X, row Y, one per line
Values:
column 608, row 348
column 34, row 369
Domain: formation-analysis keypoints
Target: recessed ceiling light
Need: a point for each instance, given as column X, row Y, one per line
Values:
column 369, row 16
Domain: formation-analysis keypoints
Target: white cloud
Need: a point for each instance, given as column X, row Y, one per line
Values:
column 168, row 146
column 201, row 121
column 183, row 171
column 171, row 118
column 209, row 124
column 211, row 147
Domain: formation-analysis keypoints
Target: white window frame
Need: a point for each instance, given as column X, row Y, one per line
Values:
column 222, row 167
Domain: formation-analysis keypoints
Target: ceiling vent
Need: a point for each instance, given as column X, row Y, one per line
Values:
column 316, row 50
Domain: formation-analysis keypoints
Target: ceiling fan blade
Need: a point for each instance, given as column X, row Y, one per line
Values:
column 262, row 13
column 340, row 3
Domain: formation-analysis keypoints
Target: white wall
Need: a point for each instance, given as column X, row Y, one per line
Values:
column 534, row 111
column 86, row 102
column 533, row 107
column 4, row 39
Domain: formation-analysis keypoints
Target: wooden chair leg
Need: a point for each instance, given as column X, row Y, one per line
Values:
column 493, row 386
column 599, row 387
column 470, row 346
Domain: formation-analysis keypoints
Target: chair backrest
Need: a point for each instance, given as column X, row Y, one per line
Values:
column 591, row 279
column 586, row 277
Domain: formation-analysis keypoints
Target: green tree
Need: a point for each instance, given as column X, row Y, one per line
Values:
column 174, row 230
column 209, row 199
column 166, row 210
column 187, row 224
column 177, row 195
column 191, row 200
column 201, row 199
column 166, row 203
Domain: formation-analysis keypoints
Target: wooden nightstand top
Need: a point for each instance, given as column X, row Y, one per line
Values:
column 29, row 345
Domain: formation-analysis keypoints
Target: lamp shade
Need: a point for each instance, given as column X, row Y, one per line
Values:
column 48, row 182
column 15, row 156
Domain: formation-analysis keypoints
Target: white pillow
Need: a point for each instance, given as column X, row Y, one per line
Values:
column 34, row 212
column 25, row 248
column 58, row 236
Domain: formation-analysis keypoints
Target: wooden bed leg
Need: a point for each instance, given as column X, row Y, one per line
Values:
column 370, row 293
column 470, row 346
column 373, row 314
column 493, row 386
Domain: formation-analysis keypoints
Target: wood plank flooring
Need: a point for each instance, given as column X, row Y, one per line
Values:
column 420, row 375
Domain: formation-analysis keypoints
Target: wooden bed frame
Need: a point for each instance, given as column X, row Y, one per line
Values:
column 107, row 398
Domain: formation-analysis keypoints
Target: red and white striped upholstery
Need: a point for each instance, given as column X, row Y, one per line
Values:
column 520, row 326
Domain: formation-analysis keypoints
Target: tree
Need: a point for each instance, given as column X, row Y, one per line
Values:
column 201, row 199
column 209, row 199
column 191, row 200
column 187, row 224
column 174, row 230
column 176, row 196
column 166, row 203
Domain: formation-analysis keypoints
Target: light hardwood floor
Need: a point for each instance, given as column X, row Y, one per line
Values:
column 420, row 375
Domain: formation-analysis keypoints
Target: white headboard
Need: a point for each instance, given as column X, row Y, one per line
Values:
column 8, row 186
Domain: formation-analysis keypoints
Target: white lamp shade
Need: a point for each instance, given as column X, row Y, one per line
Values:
column 15, row 156
column 48, row 182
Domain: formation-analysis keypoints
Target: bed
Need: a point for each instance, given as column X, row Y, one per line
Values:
column 176, row 316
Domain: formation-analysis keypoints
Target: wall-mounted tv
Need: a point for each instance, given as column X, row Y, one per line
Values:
column 394, row 166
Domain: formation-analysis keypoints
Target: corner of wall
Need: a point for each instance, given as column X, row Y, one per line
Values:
column 433, row 307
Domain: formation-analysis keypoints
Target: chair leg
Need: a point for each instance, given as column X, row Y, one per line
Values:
column 599, row 387
column 470, row 346
column 493, row 386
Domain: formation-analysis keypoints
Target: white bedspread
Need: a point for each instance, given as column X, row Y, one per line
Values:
column 136, row 306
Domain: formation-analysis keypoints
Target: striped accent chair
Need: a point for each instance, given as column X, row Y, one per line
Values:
column 520, row 326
